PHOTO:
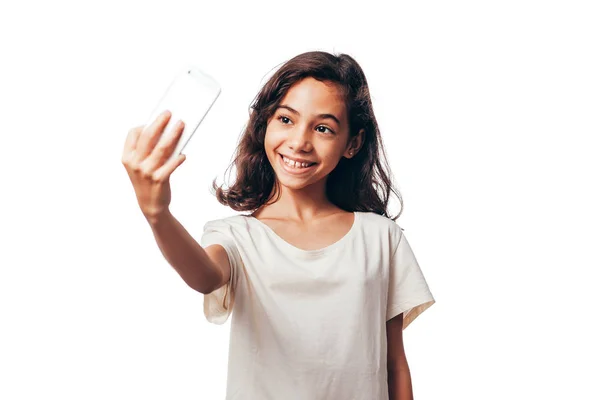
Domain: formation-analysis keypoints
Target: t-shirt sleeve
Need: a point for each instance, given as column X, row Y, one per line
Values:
column 408, row 290
column 218, row 304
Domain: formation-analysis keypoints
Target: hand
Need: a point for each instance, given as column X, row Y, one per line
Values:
column 145, row 156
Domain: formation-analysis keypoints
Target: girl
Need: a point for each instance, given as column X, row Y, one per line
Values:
column 321, row 278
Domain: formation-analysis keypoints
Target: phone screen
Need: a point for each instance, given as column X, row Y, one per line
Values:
column 189, row 97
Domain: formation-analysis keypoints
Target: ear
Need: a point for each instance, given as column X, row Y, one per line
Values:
column 355, row 144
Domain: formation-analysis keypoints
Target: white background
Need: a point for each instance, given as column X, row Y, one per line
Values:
column 490, row 116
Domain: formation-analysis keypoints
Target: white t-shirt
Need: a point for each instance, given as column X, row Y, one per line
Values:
column 311, row 324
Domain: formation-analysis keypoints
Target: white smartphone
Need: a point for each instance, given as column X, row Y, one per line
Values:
column 189, row 98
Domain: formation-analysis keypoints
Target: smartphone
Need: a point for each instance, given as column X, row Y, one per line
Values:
column 189, row 98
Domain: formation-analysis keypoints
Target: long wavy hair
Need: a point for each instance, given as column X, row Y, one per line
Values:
column 367, row 176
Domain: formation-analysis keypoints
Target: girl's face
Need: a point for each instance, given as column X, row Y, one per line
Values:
column 308, row 134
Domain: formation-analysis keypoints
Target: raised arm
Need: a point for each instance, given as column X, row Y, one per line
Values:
column 146, row 158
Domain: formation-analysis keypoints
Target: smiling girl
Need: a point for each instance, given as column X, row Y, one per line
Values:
column 319, row 278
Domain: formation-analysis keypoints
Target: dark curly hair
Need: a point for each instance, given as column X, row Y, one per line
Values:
column 367, row 175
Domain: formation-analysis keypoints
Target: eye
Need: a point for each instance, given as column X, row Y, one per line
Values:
column 284, row 120
column 287, row 121
column 324, row 127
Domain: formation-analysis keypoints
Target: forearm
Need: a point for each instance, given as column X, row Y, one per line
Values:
column 184, row 254
column 400, row 384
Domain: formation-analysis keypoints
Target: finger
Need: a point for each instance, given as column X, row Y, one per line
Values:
column 132, row 138
column 166, row 145
column 151, row 134
column 164, row 172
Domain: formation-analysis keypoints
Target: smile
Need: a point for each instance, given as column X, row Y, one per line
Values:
column 294, row 167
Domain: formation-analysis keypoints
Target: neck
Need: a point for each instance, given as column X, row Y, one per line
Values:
column 300, row 204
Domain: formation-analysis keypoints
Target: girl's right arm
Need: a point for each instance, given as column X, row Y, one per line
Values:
column 203, row 269
column 146, row 158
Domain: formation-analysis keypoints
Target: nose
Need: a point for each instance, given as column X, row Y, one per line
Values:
column 300, row 139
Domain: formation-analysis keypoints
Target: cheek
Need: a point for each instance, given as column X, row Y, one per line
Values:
column 268, row 143
column 330, row 153
column 273, row 138
column 271, row 144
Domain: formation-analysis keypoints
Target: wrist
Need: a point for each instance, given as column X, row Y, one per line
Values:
column 158, row 218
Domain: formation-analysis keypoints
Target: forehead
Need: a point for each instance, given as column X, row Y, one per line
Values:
column 310, row 96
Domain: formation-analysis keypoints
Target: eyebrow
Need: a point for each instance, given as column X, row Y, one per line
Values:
column 324, row 116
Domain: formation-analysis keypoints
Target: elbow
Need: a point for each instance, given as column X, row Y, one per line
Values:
column 201, row 287
column 207, row 284
column 398, row 367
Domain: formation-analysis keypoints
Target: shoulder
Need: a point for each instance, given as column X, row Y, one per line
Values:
column 381, row 223
column 231, row 232
column 376, row 225
column 233, row 223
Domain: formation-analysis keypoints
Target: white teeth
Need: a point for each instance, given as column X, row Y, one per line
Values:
column 295, row 164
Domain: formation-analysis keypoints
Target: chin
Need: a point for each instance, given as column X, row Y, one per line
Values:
column 297, row 183
column 294, row 185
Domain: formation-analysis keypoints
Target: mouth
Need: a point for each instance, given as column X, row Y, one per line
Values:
column 294, row 167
